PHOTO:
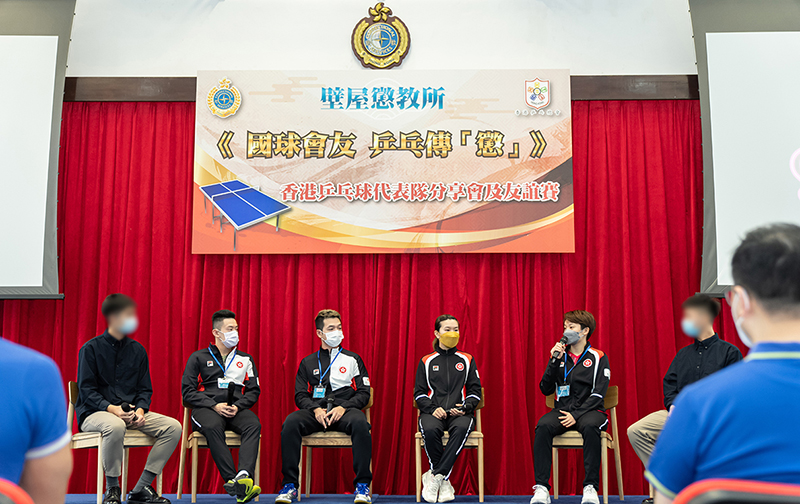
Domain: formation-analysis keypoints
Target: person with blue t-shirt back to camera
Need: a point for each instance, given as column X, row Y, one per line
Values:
column 717, row 428
column 34, row 445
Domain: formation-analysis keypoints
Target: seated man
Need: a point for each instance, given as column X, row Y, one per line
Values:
column 35, row 441
column 447, row 390
column 722, row 427
column 578, row 375
column 331, row 389
column 114, row 393
column 706, row 355
column 220, row 384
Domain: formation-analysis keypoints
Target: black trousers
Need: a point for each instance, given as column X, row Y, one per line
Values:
column 209, row 423
column 589, row 425
column 442, row 458
column 302, row 423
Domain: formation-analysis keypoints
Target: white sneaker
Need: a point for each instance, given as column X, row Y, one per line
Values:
column 541, row 495
column 446, row 492
column 430, row 492
column 590, row 495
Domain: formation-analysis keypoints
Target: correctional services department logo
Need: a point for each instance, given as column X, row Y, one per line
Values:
column 537, row 93
column 380, row 40
column 224, row 100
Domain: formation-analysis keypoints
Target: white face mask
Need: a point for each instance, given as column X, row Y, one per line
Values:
column 334, row 338
column 231, row 339
column 737, row 320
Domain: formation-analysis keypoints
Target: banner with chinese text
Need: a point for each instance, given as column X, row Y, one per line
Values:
column 383, row 162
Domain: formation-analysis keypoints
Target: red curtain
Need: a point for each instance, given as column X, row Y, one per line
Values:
column 124, row 226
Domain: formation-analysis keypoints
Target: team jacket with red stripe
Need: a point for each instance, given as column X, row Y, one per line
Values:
column 200, row 388
column 347, row 379
column 588, row 382
column 446, row 378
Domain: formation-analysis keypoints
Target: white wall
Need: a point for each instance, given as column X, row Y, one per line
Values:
column 179, row 37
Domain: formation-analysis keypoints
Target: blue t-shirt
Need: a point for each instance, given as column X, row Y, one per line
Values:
column 33, row 415
column 740, row 422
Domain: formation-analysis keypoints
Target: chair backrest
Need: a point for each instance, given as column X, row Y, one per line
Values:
column 478, row 408
column 611, row 400
column 726, row 491
column 73, row 398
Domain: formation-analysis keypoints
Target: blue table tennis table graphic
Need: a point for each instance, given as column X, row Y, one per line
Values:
column 241, row 205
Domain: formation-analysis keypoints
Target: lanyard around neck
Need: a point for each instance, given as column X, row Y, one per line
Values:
column 588, row 346
column 319, row 365
column 225, row 368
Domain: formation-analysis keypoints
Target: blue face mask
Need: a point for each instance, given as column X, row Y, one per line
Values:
column 689, row 328
column 129, row 325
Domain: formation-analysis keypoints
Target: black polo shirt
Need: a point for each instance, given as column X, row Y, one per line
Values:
column 697, row 361
column 112, row 371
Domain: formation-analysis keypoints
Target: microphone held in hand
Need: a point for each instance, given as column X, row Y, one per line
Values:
column 330, row 404
column 563, row 341
column 230, row 394
column 126, row 408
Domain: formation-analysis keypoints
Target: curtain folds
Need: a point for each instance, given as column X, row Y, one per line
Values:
column 124, row 217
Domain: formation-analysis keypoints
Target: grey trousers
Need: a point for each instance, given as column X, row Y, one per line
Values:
column 166, row 430
column 644, row 434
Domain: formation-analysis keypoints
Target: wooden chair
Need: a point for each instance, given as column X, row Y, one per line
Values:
column 573, row 439
column 133, row 439
column 195, row 441
column 475, row 440
column 327, row 440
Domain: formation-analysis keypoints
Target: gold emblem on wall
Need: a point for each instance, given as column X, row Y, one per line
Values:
column 381, row 40
column 224, row 100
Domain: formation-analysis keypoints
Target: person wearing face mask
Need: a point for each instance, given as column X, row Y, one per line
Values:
column 447, row 391
column 331, row 388
column 707, row 354
column 739, row 423
column 210, row 376
column 114, row 393
column 578, row 374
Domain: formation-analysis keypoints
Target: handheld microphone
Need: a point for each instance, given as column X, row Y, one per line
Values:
column 230, row 394
column 126, row 407
column 563, row 341
column 330, row 404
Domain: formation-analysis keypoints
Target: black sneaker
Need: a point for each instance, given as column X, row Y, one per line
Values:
column 243, row 488
column 146, row 495
column 648, row 500
column 112, row 495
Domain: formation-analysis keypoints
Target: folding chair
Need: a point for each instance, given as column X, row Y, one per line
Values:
column 475, row 440
column 195, row 441
column 573, row 439
column 133, row 439
column 327, row 440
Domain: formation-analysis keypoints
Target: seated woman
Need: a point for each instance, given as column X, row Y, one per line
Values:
column 447, row 391
column 578, row 375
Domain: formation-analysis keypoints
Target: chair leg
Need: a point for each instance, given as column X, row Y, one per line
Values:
column 126, row 457
column 100, row 471
column 652, row 492
column 258, row 467
column 418, row 464
column 309, row 451
column 300, row 476
column 480, row 470
column 370, row 470
column 160, row 483
column 555, row 473
column 181, row 468
column 604, row 468
column 618, row 467
column 194, row 471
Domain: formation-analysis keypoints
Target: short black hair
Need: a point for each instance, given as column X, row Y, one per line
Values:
column 219, row 316
column 115, row 303
column 319, row 320
column 583, row 318
column 703, row 302
column 767, row 265
column 437, row 324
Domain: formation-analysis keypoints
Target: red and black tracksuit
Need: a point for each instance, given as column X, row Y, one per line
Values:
column 588, row 380
column 446, row 379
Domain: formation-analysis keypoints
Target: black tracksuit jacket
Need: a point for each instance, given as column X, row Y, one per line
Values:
column 446, row 378
column 347, row 380
column 588, row 382
column 199, row 385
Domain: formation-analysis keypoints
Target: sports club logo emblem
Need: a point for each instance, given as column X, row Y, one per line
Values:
column 587, row 363
column 343, row 370
column 209, row 363
column 224, row 100
column 537, row 93
column 436, row 368
column 460, row 366
column 380, row 40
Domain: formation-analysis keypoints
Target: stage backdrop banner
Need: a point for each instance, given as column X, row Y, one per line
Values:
column 383, row 162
